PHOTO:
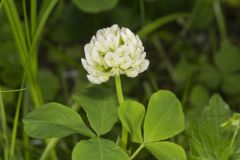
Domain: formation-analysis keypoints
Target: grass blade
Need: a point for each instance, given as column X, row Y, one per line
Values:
column 42, row 23
column 33, row 11
column 160, row 22
column 16, row 120
column 4, row 128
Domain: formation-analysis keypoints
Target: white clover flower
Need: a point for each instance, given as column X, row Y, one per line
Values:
column 114, row 51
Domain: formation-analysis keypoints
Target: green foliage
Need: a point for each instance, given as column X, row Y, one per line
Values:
column 184, row 70
column 199, row 96
column 208, row 140
column 227, row 59
column 209, row 76
column 101, row 108
column 131, row 114
column 166, row 150
column 95, row 6
column 164, row 117
column 202, row 14
column 98, row 149
column 197, row 54
column 163, row 120
column 54, row 120
column 231, row 83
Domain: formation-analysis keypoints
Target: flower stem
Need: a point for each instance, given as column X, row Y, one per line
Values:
column 137, row 151
column 119, row 89
column 124, row 139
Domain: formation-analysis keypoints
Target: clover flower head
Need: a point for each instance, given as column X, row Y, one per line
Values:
column 114, row 51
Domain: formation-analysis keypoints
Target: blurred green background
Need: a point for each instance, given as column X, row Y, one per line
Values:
column 193, row 47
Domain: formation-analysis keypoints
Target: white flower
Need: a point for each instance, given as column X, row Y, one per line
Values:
column 114, row 51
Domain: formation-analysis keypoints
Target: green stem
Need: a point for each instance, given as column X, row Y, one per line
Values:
column 37, row 34
column 25, row 138
column 220, row 19
column 232, row 143
column 148, row 89
column 119, row 89
column 234, row 137
column 186, row 91
column 27, row 31
column 137, row 151
column 4, row 128
column 16, row 119
column 124, row 139
column 153, row 80
column 50, row 145
column 26, row 146
column 192, row 16
column 13, row 90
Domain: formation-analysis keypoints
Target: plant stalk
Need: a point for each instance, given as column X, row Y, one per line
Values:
column 159, row 23
column 230, row 148
column 137, row 151
column 25, row 138
column 4, row 128
column 16, row 119
column 124, row 139
column 50, row 145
